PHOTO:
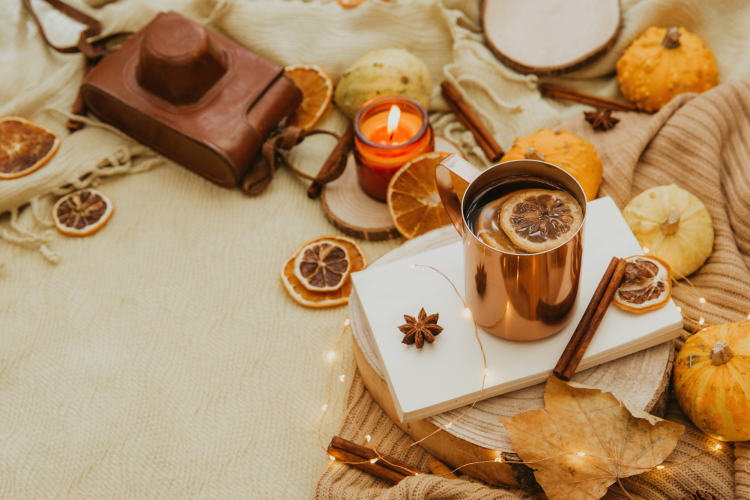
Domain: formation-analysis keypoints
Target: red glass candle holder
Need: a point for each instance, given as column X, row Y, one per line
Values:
column 379, row 154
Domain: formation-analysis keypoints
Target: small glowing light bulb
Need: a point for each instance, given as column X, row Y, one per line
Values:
column 645, row 250
column 411, row 265
column 332, row 457
column 325, row 407
column 331, row 355
column 486, row 371
column 679, row 309
column 718, row 446
column 701, row 321
column 448, row 426
column 702, row 300
column 581, row 454
column 498, row 459
column 368, row 437
column 373, row 460
column 466, row 312
column 748, row 316
column 660, row 467
column 341, row 378
column 346, row 323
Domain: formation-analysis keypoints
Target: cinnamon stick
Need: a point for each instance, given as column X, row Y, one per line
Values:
column 596, row 320
column 386, row 461
column 438, row 468
column 486, row 141
column 343, row 147
column 375, row 469
column 585, row 320
column 556, row 92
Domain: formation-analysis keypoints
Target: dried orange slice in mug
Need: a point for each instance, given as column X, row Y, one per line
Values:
column 413, row 198
column 537, row 220
column 322, row 266
column 317, row 91
column 299, row 289
column 82, row 213
column 25, row 146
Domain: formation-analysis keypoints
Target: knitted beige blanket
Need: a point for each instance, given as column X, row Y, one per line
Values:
column 161, row 357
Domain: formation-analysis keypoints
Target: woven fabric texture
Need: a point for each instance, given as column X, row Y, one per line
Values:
column 161, row 358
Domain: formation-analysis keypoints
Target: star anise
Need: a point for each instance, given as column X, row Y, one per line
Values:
column 419, row 331
column 601, row 120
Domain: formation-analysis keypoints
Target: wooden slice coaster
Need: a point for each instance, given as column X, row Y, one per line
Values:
column 641, row 378
column 355, row 213
column 550, row 37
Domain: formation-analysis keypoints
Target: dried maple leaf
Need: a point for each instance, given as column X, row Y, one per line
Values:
column 585, row 439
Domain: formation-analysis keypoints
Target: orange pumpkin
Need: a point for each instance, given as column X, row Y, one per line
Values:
column 663, row 63
column 712, row 381
column 565, row 150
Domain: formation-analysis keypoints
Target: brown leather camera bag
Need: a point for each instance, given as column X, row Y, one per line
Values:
column 195, row 96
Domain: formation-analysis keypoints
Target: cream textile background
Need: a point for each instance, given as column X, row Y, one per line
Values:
column 161, row 357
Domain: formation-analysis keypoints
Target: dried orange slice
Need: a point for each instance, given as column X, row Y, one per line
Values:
column 646, row 285
column 309, row 298
column 322, row 266
column 348, row 4
column 82, row 213
column 317, row 91
column 25, row 146
column 537, row 220
column 413, row 198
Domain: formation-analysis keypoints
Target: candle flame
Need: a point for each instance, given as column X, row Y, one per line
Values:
column 393, row 117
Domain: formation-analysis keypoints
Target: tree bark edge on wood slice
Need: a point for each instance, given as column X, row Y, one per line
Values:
column 358, row 215
column 587, row 55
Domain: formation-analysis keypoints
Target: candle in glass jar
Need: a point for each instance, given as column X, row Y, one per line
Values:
column 388, row 133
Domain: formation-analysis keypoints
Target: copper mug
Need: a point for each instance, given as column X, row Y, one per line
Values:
column 518, row 297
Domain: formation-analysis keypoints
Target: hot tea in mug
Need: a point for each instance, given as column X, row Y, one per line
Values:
column 522, row 224
column 524, row 214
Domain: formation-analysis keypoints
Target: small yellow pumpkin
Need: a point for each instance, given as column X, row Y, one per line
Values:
column 663, row 63
column 674, row 225
column 711, row 381
column 565, row 150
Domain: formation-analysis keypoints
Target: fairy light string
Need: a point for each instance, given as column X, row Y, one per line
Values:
column 467, row 313
column 699, row 323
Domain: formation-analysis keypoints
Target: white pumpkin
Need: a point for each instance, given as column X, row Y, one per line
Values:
column 673, row 225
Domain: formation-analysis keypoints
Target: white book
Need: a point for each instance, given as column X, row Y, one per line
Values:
column 447, row 374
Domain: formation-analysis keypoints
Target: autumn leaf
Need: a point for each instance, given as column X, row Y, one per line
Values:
column 585, row 439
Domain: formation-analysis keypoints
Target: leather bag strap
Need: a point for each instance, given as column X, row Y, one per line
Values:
column 92, row 50
column 258, row 180
column 93, row 26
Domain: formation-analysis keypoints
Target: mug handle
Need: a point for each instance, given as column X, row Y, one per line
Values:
column 464, row 170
